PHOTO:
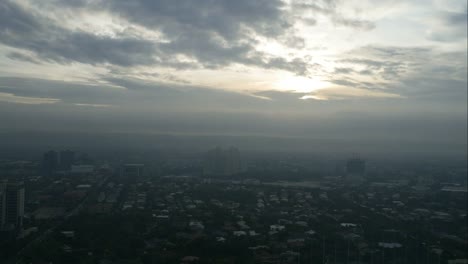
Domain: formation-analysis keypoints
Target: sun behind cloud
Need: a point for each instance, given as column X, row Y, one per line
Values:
column 299, row 84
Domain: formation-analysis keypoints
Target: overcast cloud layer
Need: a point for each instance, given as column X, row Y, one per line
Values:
column 383, row 70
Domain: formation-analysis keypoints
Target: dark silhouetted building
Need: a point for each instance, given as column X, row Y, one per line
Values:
column 222, row 162
column 11, row 205
column 355, row 166
column 50, row 162
column 67, row 158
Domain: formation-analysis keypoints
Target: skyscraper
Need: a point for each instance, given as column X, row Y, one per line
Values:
column 11, row 205
column 50, row 162
column 67, row 157
column 355, row 166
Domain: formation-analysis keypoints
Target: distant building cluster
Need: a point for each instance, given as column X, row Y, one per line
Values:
column 53, row 160
column 222, row 162
column 66, row 161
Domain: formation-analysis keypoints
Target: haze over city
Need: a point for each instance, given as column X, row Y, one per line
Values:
column 233, row 131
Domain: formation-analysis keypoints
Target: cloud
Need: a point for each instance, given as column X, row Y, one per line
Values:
column 341, row 93
column 202, row 34
column 383, row 63
column 411, row 72
column 354, row 23
column 92, row 105
column 450, row 26
column 330, row 9
column 229, row 19
column 21, row 28
column 151, row 47
column 274, row 95
column 13, row 18
column 11, row 98
column 22, row 57
column 133, row 94
column 65, row 92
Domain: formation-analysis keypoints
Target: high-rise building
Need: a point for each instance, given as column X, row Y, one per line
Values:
column 11, row 205
column 67, row 157
column 50, row 162
column 222, row 162
column 233, row 164
column 355, row 166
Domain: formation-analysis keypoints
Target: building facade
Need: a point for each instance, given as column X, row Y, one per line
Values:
column 11, row 205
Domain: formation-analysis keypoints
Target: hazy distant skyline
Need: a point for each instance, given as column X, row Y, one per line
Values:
column 379, row 70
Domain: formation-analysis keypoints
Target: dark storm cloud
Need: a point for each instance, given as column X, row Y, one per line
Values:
column 206, row 49
column 225, row 17
column 217, row 33
column 91, row 49
column 22, row 29
column 213, row 34
column 14, row 18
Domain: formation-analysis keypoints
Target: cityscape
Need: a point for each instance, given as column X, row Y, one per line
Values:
column 233, row 132
column 220, row 207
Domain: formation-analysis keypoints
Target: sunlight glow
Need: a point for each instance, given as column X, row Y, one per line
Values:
column 314, row 97
column 300, row 84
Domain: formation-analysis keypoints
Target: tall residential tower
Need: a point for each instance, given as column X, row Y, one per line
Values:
column 11, row 205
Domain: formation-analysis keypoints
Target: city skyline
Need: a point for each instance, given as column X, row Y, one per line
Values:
column 233, row 131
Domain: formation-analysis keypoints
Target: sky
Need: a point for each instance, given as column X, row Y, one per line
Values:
column 385, row 70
